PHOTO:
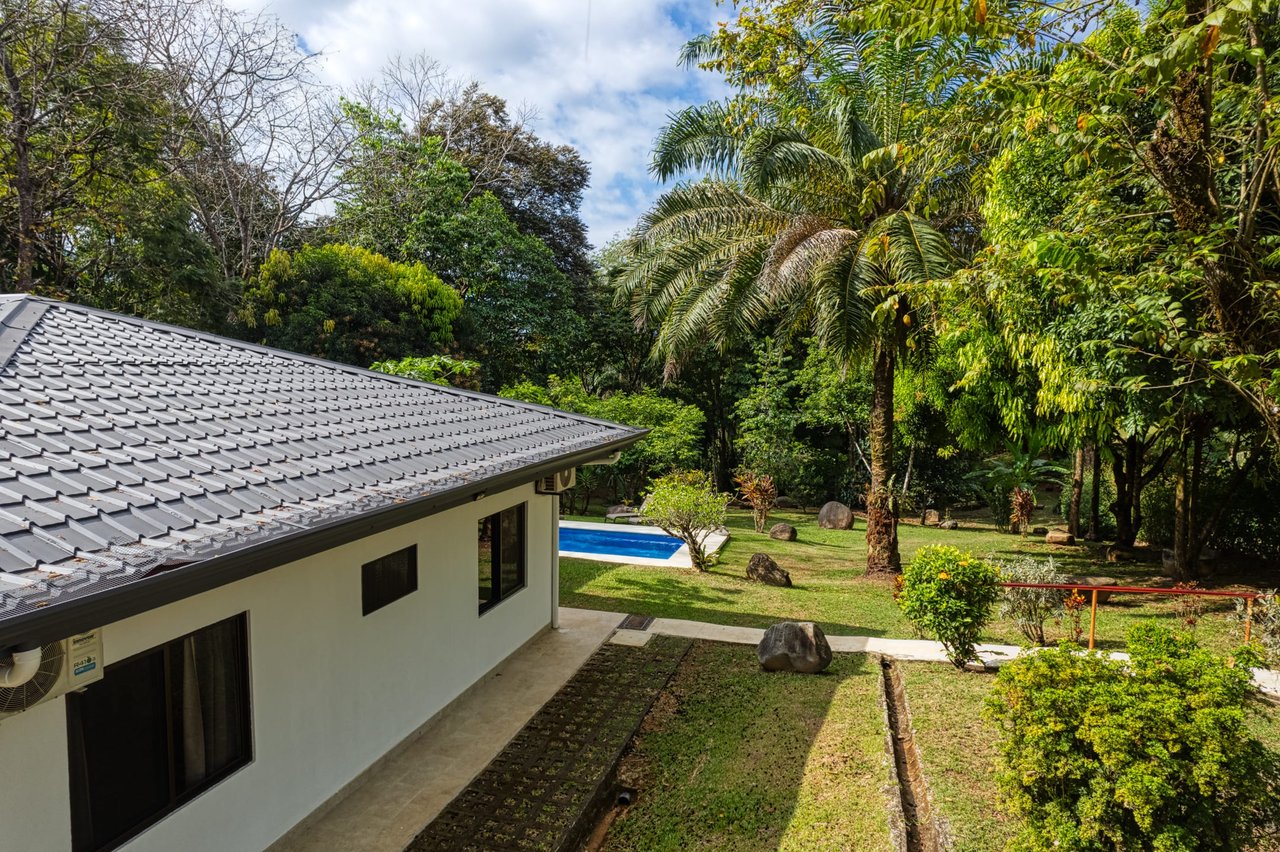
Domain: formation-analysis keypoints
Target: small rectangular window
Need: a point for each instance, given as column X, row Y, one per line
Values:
column 159, row 729
column 502, row 549
column 389, row 578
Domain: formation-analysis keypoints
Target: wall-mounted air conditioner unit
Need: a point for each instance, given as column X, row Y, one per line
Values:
column 557, row 482
column 65, row 665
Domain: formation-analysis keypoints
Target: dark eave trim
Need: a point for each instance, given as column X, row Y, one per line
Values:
column 97, row 609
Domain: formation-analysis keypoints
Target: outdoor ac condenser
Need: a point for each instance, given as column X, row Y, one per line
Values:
column 557, row 482
column 65, row 665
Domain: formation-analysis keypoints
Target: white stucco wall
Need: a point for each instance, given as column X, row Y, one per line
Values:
column 332, row 690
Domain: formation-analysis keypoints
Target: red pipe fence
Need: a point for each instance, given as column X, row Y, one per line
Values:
column 1249, row 598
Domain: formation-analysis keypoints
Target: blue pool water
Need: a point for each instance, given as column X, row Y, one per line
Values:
column 618, row 542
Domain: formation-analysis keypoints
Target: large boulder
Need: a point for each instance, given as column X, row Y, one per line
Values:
column 949, row 524
column 1103, row 597
column 782, row 532
column 835, row 516
column 763, row 569
column 931, row 517
column 787, row 503
column 1059, row 537
column 794, row 646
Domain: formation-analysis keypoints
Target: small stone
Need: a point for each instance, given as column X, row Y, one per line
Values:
column 1040, row 531
column 782, row 532
column 931, row 517
column 794, row 646
column 763, row 569
column 1059, row 537
column 949, row 524
column 835, row 516
column 786, row 503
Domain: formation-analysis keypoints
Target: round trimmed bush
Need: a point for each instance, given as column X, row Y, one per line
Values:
column 948, row 594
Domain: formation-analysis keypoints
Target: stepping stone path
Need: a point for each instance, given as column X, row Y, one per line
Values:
column 542, row 791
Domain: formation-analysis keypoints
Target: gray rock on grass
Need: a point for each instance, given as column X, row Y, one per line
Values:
column 782, row 532
column 794, row 646
column 763, row 569
column 835, row 516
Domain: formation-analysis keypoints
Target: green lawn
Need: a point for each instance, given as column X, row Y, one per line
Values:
column 827, row 568
column 735, row 758
column 958, row 752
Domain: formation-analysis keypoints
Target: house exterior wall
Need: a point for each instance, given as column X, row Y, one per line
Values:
column 332, row 690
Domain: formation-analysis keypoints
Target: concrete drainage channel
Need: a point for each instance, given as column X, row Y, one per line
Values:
column 919, row 829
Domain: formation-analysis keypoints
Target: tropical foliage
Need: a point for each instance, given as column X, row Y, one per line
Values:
column 948, row 594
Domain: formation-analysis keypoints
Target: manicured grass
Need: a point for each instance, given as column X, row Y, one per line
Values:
column 827, row 568
column 957, row 749
column 735, row 758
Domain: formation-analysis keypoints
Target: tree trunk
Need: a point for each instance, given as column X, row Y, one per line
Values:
column 1182, row 520
column 1077, row 491
column 21, row 181
column 1126, row 467
column 882, row 508
column 1095, row 493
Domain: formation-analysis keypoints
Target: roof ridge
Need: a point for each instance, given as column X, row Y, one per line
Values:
column 19, row 314
column 311, row 359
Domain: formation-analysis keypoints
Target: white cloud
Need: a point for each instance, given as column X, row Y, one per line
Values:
column 606, row 92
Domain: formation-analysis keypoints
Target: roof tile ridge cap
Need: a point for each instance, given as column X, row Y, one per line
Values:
column 31, row 309
column 333, row 365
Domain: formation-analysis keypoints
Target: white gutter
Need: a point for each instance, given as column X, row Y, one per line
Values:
column 25, row 664
column 555, row 562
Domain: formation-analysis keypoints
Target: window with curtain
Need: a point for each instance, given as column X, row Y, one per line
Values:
column 159, row 729
column 502, row 555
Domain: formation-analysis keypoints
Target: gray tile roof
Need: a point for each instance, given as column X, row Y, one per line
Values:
column 128, row 448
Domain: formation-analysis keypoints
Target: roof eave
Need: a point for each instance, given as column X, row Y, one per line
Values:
column 78, row 614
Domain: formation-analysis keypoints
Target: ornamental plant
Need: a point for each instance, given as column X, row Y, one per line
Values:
column 686, row 505
column 1153, row 753
column 1266, row 623
column 948, row 594
column 1031, row 608
column 758, row 490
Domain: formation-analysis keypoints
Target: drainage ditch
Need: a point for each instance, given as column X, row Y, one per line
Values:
column 921, row 831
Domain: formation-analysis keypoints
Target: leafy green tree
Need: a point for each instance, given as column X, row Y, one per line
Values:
column 436, row 369
column 347, row 304
column 767, row 442
column 79, row 121
column 687, row 506
column 813, row 214
column 1150, row 753
column 671, row 445
column 407, row 199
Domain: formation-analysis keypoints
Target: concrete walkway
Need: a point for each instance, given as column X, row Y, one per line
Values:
column 902, row 649
column 420, row 777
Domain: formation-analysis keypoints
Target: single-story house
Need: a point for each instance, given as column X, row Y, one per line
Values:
column 232, row 578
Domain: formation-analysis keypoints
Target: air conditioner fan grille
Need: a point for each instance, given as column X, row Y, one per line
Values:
column 14, row 699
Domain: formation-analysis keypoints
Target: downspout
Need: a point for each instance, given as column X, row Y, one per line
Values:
column 23, row 667
column 555, row 562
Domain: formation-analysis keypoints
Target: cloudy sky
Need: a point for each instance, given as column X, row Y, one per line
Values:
column 600, row 74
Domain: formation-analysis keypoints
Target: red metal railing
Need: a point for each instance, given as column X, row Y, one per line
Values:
column 1249, row 598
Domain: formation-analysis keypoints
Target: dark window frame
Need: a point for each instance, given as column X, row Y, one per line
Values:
column 378, row 586
column 176, row 798
column 501, row 593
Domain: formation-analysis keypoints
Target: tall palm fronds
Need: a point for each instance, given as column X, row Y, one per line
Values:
column 813, row 211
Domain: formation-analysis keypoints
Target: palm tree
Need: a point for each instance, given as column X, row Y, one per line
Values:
column 811, row 214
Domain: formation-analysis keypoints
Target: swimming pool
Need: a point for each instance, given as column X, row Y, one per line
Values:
column 618, row 542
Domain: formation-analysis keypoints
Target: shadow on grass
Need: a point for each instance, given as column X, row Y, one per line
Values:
column 734, row 757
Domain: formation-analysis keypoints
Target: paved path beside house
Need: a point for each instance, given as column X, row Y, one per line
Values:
column 410, row 787
column 547, row 789
column 902, row 649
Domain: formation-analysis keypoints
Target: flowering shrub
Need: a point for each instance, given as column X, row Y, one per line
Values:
column 1150, row 754
column 948, row 594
